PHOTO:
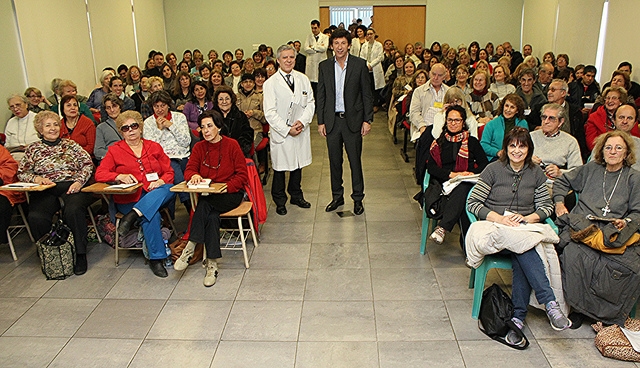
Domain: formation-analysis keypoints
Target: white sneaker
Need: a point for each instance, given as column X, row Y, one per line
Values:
column 438, row 235
column 183, row 262
column 212, row 273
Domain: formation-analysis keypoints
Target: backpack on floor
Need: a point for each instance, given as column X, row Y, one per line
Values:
column 57, row 252
column 495, row 316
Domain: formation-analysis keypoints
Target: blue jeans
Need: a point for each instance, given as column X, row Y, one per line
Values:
column 179, row 165
column 528, row 273
column 149, row 205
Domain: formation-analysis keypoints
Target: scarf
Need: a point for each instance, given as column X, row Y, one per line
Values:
column 168, row 117
column 462, row 161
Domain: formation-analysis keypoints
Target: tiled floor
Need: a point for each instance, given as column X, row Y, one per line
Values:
column 322, row 291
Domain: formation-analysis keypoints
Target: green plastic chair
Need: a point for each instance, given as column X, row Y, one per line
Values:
column 428, row 225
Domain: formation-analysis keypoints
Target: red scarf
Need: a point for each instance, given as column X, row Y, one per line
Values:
column 462, row 161
column 168, row 117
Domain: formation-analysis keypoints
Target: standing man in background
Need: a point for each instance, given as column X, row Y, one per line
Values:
column 345, row 114
column 288, row 107
column 315, row 46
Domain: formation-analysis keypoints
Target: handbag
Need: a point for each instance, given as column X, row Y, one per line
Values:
column 612, row 342
column 434, row 200
column 495, row 316
column 56, row 250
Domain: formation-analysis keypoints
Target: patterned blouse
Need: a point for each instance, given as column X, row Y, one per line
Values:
column 65, row 161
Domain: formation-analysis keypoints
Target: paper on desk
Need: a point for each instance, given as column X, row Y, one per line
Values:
column 21, row 185
column 451, row 184
column 204, row 184
column 120, row 186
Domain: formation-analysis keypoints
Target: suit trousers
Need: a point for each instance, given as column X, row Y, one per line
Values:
column 277, row 186
column 340, row 136
column 205, row 224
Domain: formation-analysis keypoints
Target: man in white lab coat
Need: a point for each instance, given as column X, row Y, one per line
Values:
column 315, row 46
column 289, row 106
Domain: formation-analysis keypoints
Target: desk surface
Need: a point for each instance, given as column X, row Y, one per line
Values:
column 15, row 188
column 101, row 188
column 213, row 188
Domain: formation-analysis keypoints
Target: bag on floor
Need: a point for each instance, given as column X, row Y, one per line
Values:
column 57, row 252
column 612, row 342
column 495, row 316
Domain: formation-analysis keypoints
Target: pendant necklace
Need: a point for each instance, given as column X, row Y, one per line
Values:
column 606, row 209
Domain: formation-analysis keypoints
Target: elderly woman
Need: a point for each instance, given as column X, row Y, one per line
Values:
column 171, row 130
column 510, row 192
column 601, row 278
column 462, row 76
column 618, row 79
column 199, row 103
column 501, row 86
column 454, row 153
column 181, row 93
column 236, row 124
column 154, row 84
column 37, row 102
column 510, row 115
column 95, row 98
column 67, row 87
column 107, row 133
column 554, row 150
column 483, row 103
column 602, row 120
column 248, row 66
column 499, row 53
column 250, row 103
column 60, row 161
column 562, row 63
column 19, row 130
column 138, row 160
column 220, row 159
column 133, row 79
column 76, row 126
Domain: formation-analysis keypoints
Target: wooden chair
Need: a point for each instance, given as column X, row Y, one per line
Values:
column 237, row 239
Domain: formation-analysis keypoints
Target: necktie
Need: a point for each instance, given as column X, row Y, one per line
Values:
column 289, row 81
column 316, row 38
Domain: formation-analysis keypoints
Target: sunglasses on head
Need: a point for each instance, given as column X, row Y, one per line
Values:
column 126, row 128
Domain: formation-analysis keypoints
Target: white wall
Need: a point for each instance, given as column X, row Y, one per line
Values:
column 622, row 38
column 13, row 76
column 150, row 27
column 227, row 25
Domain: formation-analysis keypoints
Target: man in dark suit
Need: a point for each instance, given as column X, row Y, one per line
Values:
column 345, row 113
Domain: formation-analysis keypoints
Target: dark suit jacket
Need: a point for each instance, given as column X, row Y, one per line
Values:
column 358, row 97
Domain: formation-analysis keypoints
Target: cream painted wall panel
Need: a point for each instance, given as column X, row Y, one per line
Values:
column 55, row 39
column 463, row 21
column 227, row 25
column 112, row 32
column 539, row 25
column 576, row 37
column 150, row 27
column 13, row 78
column 622, row 41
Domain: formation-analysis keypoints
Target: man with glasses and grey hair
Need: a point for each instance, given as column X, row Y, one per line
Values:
column 289, row 106
column 19, row 131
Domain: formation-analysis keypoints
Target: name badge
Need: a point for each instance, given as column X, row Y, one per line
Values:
column 438, row 105
column 152, row 176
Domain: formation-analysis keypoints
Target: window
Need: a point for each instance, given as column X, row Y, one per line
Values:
column 348, row 14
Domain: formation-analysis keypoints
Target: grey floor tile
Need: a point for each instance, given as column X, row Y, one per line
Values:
column 191, row 320
column 387, row 195
column 12, row 309
column 26, row 281
column 96, row 353
column 272, row 284
column 121, row 319
column 96, row 283
column 281, row 256
column 295, row 213
column 417, row 284
column 338, row 284
column 489, row 353
column 465, row 327
column 396, row 211
column 190, row 286
column 412, row 320
column 332, row 354
column 339, row 255
column 240, row 354
column 294, row 233
column 53, row 318
column 419, row 354
column 102, row 255
column 263, row 321
column 393, row 232
column 454, row 282
column 397, row 255
column 339, row 232
column 539, row 324
column 141, row 283
column 21, row 352
column 337, row 321
column 576, row 352
column 174, row 353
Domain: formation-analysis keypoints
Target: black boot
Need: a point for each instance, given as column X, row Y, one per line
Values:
column 158, row 268
column 81, row 264
column 127, row 222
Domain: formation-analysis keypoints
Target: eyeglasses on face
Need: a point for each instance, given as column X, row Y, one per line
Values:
column 126, row 128
column 617, row 148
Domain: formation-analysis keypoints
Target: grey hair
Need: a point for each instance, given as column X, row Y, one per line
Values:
column 555, row 107
column 104, row 75
column 565, row 85
column 21, row 97
column 285, row 48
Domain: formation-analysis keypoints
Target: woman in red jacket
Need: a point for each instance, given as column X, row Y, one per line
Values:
column 220, row 159
column 76, row 126
column 601, row 120
column 137, row 160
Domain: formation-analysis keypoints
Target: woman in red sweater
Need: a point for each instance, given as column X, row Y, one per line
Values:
column 137, row 160
column 601, row 120
column 221, row 160
column 76, row 126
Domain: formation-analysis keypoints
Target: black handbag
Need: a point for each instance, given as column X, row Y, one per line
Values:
column 57, row 252
column 495, row 316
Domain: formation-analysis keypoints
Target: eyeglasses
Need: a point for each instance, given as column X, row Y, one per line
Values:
column 126, row 128
column 612, row 98
column 16, row 106
column 618, row 148
column 553, row 119
column 206, row 156
column 457, row 121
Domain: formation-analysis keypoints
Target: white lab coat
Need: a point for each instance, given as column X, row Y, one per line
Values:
column 316, row 52
column 288, row 152
column 374, row 60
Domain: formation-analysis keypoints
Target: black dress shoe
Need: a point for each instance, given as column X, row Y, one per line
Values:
column 334, row 205
column 80, row 268
column 158, row 268
column 127, row 222
column 300, row 202
column 358, row 208
column 281, row 210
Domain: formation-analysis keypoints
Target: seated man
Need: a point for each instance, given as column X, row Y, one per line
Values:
column 117, row 87
column 531, row 96
column 545, row 75
column 427, row 101
column 19, row 131
column 584, row 90
column 625, row 120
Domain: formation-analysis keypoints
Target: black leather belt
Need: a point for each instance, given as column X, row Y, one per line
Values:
column 340, row 115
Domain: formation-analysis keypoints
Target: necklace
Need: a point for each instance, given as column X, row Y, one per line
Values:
column 606, row 209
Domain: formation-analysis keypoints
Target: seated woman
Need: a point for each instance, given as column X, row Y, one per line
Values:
column 618, row 79
column 510, row 115
column 220, row 159
column 250, row 103
column 236, row 125
column 76, row 126
column 95, row 98
column 454, row 96
column 60, row 161
column 510, row 192
column 153, row 84
column 181, row 93
column 501, row 86
column 37, row 102
column 133, row 79
column 462, row 76
column 602, row 120
column 402, row 81
column 216, row 80
column 107, row 133
column 168, row 77
column 171, row 130
column 8, row 171
column 199, row 103
column 602, row 281
column 137, row 160
column 483, row 103
column 455, row 153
